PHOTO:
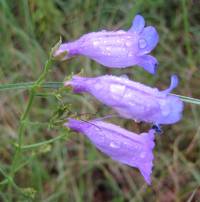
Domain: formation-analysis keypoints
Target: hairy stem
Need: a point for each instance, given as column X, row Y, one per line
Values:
column 24, row 116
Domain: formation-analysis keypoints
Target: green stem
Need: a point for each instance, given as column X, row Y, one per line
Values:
column 188, row 99
column 31, row 146
column 7, row 179
column 24, row 116
column 3, row 173
column 29, row 85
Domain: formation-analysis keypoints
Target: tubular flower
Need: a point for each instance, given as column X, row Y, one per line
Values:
column 131, row 99
column 117, row 49
column 121, row 145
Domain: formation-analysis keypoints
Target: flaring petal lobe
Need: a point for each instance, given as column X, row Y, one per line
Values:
column 148, row 40
column 138, row 24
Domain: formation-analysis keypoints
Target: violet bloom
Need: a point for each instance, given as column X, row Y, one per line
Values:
column 131, row 99
column 121, row 145
column 117, row 49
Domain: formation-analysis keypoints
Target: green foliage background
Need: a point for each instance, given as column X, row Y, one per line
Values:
column 71, row 169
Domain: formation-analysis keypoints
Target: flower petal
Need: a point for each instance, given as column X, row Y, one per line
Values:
column 148, row 62
column 137, row 24
column 173, row 84
column 113, row 49
column 148, row 40
column 133, row 100
column 121, row 145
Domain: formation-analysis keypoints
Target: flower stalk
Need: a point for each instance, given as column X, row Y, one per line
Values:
column 22, row 124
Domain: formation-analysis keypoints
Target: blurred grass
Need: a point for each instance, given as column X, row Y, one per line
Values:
column 72, row 169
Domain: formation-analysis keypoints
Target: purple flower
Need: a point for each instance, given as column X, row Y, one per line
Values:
column 117, row 49
column 131, row 99
column 121, row 145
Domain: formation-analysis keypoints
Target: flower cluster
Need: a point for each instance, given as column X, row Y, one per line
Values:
column 130, row 99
